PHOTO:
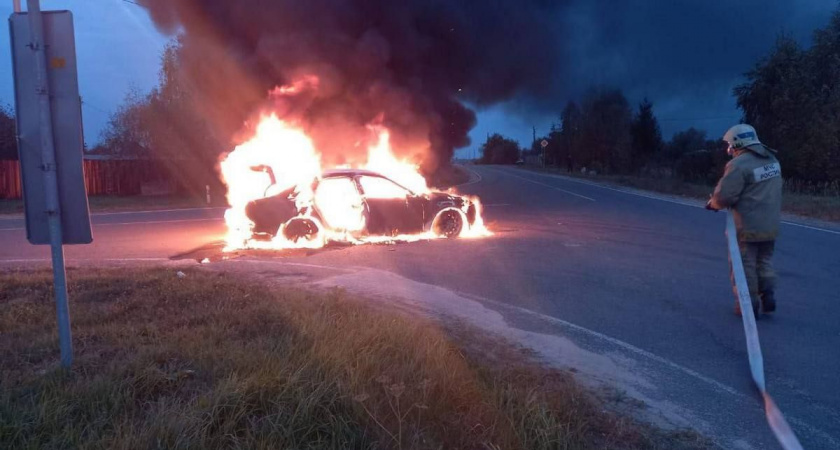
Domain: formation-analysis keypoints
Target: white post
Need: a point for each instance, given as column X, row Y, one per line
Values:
column 207, row 193
column 36, row 30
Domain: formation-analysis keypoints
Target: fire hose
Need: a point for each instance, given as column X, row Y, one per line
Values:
column 784, row 434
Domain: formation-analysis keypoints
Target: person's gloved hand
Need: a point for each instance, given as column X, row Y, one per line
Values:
column 710, row 207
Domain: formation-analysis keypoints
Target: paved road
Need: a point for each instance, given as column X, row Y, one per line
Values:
column 641, row 272
column 125, row 235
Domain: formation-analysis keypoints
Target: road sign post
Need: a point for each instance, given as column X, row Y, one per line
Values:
column 50, row 143
column 544, row 144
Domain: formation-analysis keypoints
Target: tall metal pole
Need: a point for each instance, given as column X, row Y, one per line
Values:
column 16, row 4
column 36, row 30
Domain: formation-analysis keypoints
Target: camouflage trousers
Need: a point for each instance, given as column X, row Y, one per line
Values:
column 757, row 258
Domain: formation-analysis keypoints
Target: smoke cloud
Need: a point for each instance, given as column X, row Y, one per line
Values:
column 410, row 65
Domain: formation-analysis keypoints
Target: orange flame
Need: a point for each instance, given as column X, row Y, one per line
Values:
column 285, row 151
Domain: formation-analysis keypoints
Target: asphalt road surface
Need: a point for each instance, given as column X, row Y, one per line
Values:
column 632, row 270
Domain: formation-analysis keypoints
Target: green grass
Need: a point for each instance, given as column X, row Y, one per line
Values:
column 209, row 362
column 795, row 200
column 112, row 203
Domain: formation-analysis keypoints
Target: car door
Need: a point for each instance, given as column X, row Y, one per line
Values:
column 340, row 204
column 392, row 209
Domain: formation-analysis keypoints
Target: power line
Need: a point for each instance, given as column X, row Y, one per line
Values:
column 134, row 3
column 95, row 108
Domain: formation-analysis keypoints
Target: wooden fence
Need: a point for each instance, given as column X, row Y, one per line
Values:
column 9, row 179
column 102, row 177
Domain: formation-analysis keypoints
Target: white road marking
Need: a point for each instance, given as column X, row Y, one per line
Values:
column 662, row 199
column 19, row 216
column 550, row 187
column 135, row 223
column 33, row 260
column 116, row 213
column 626, row 346
column 637, row 194
column 96, row 225
column 158, row 221
column 477, row 180
column 810, row 227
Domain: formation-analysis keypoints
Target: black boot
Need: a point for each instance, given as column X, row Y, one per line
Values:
column 768, row 301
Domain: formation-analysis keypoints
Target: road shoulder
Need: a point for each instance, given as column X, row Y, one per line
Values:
column 790, row 219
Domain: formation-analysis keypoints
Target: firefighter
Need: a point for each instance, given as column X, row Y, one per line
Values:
column 751, row 187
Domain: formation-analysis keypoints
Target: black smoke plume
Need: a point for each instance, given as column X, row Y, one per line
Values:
column 410, row 65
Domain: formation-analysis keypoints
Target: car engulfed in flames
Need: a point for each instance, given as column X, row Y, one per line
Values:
column 357, row 206
column 281, row 198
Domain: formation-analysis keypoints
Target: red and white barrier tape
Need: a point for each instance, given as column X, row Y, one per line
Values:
column 775, row 419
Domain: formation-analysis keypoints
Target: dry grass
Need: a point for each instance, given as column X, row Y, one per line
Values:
column 210, row 362
column 818, row 207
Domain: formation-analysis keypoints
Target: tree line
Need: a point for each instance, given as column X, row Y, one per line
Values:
column 791, row 96
column 167, row 124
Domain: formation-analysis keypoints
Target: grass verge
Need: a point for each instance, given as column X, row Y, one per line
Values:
column 207, row 361
column 112, row 203
column 814, row 206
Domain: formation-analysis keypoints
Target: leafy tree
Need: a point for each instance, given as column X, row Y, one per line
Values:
column 176, row 125
column 499, row 150
column 8, row 139
column 777, row 101
column 605, row 131
column 126, row 134
column 687, row 141
column 569, row 136
column 168, row 125
column 792, row 97
column 646, row 136
column 821, row 145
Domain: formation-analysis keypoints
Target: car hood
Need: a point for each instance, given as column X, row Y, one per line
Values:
column 441, row 200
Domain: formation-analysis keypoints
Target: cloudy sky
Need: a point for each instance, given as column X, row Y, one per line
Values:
column 685, row 55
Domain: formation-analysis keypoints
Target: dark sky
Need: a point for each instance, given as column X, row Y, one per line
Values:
column 685, row 55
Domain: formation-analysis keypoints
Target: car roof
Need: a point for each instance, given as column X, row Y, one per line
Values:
column 349, row 173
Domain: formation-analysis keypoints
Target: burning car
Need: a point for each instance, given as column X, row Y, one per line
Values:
column 281, row 196
column 358, row 205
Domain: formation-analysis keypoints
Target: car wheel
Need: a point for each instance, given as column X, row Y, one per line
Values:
column 448, row 224
column 297, row 229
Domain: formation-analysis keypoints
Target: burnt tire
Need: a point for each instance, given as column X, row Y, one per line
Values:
column 297, row 229
column 448, row 224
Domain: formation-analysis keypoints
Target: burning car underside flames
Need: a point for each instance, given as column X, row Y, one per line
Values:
column 281, row 196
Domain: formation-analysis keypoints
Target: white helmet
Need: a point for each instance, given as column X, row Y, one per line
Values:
column 740, row 136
